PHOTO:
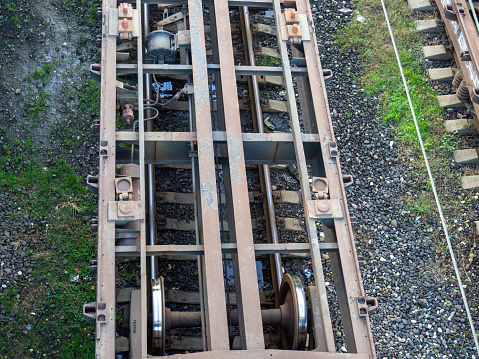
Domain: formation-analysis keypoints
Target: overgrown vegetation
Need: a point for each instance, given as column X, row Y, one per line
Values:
column 61, row 282
column 381, row 76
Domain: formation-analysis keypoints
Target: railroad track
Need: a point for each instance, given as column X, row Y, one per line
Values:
column 458, row 64
column 218, row 165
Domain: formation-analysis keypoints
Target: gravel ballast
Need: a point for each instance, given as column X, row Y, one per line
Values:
column 420, row 312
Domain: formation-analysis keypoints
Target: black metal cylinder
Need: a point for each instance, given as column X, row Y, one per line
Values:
column 462, row 91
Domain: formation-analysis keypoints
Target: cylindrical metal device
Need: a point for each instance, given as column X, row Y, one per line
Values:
column 456, row 81
column 160, row 47
column 462, row 91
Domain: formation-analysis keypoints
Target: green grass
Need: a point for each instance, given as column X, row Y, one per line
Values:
column 269, row 61
column 61, row 276
column 38, row 106
column 43, row 73
column 14, row 14
column 92, row 15
column 381, row 77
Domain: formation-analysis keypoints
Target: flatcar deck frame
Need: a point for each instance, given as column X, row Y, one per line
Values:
column 316, row 147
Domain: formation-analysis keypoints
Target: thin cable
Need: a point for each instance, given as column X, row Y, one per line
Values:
column 433, row 186
column 474, row 15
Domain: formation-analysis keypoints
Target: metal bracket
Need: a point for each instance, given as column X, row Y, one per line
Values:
column 366, row 305
column 92, row 184
column 124, row 22
column 449, row 13
column 104, row 148
column 171, row 19
column 94, row 312
column 94, row 224
column 475, row 96
column 333, row 149
column 327, row 75
column 124, row 188
column 292, row 25
column 183, row 39
column 125, row 210
column 93, row 266
column 325, row 208
column 347, row 180
column 320, row 187
column 465, row 56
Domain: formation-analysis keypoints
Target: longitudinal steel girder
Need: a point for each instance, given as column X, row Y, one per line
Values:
column 216, row 140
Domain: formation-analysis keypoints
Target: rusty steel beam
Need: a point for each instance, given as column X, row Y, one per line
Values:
column 230, row 248
column 250, row 3
column 304, row 182
column 168, row 69
column 215, row 303
column 241, row 231
column 270, row 354
column 265, row 174
column 105, row 290
column 350, row 287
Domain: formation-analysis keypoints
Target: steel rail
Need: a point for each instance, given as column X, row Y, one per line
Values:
column 152, row 228
column 141, row 160
column 264, row 169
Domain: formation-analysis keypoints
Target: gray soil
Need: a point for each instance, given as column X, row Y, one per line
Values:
column 37, row 35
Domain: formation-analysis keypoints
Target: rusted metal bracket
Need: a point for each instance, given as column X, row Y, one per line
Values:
column 125, row 210
column 465, row 56
column 294, row 26
column 183, row 39
column 124, row 22
column 366, row 305
column 171, row 19
column 449, row 13
column 325, row 208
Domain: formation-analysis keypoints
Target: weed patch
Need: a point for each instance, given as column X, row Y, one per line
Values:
column 381, row 75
